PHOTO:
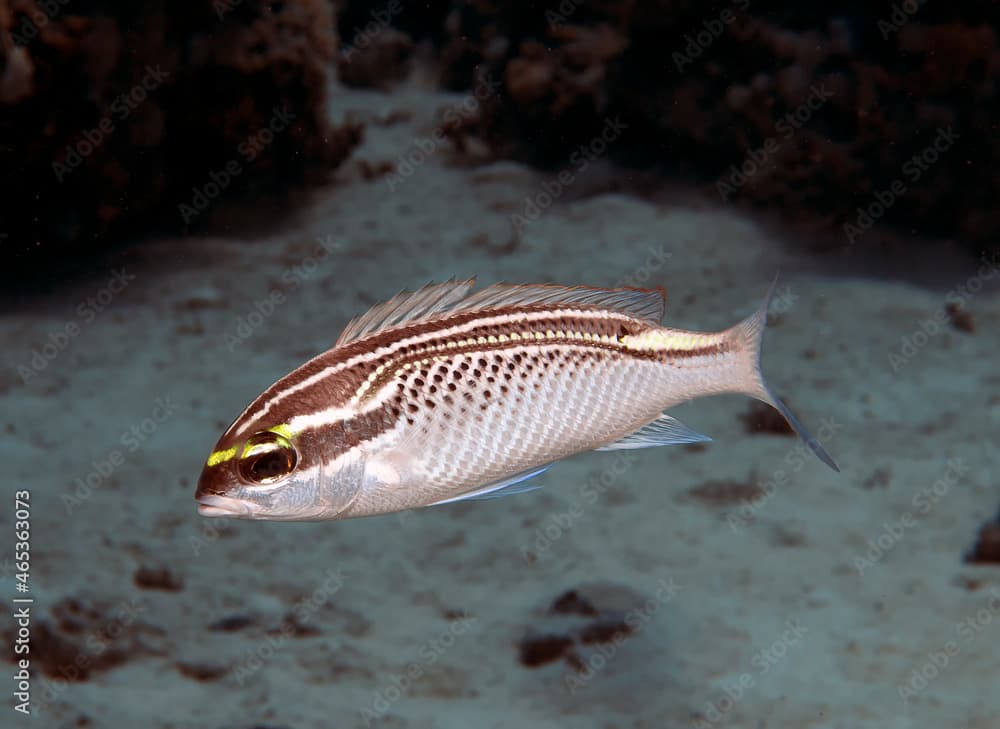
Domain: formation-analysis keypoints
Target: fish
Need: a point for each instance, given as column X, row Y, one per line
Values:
column 446, row 394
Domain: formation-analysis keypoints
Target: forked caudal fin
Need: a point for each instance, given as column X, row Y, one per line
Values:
column 750, row 334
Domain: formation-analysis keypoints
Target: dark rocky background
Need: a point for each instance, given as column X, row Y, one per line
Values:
column 814, row 113
column 113, row 113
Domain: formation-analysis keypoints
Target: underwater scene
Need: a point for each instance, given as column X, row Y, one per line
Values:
column 617, row 365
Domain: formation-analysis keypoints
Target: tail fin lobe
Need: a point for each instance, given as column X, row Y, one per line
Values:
column 750, row 334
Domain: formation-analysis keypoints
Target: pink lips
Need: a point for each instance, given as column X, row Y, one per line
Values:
column 212, row 505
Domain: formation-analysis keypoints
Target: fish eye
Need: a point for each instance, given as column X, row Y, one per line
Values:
column 267, row 457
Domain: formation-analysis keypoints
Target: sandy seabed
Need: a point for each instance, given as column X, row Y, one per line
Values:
column 741, row 584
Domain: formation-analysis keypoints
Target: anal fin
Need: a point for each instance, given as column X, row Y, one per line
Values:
column 665, row 430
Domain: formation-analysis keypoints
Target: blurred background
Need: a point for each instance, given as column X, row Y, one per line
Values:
column 196, row 197
column 112, row 112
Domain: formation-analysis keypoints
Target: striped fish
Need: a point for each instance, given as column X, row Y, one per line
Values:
column 444, row 394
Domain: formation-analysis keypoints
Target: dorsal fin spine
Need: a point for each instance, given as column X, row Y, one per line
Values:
column 453, row 296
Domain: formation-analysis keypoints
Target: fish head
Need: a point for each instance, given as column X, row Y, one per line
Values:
column 262, row 470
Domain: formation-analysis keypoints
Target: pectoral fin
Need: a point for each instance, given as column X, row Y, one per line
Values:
column 513, row 485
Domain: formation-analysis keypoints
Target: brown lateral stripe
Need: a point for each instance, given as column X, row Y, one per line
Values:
column 570, row 330
column 713, row 349
column 328, row 381
column 340, row 389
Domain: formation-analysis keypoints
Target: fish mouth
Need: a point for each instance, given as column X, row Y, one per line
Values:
column 212, row 505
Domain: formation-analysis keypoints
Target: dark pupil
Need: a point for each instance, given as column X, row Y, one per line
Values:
column 268, row 457
column 270, row 464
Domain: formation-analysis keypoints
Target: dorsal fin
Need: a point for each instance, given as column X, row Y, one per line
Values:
column 452, row 296
column 645, row 304
column 405, row 306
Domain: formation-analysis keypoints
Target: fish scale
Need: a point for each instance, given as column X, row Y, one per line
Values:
column 442, row 395
column 517, row 430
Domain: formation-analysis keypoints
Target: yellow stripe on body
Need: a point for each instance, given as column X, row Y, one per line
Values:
column 658, row 340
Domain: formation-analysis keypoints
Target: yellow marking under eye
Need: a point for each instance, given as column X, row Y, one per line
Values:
column 217, row 457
